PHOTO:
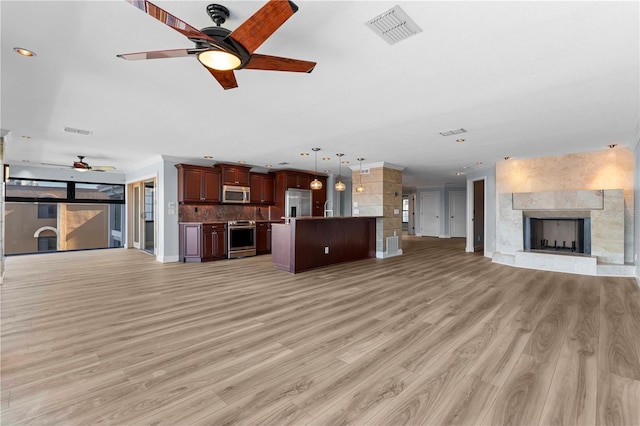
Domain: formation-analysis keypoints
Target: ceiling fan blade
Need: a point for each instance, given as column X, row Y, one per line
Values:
column 255, row 30
column 57, row 165
column 227, row 79
column 175, row 23
column 156, row 54
column 276, row 63
column 101, row 168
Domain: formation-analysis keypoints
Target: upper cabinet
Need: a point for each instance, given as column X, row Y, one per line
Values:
column 198, row 184
column 298, row 180
column 262, row 188
column 234, row 175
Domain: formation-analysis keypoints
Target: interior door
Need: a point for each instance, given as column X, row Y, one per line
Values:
column 149, row 216
column 457, row 213
column 430, row 214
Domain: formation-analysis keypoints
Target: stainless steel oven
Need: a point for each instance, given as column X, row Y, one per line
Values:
column 242, row 238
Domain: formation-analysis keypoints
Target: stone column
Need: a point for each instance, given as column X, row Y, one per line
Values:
column 382, row 197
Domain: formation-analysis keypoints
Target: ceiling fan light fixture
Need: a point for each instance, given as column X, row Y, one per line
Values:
column 219, row 60
column 24, row 52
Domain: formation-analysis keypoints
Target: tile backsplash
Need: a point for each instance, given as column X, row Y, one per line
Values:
column 225, row 212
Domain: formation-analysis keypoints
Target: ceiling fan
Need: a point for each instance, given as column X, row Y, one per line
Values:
column 82, row 166
column 222, row 51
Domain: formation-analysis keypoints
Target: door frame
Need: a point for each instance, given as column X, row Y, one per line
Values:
column 469, row 247
column 131, row 220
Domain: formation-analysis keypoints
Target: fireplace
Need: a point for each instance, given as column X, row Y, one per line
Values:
column 570, row 235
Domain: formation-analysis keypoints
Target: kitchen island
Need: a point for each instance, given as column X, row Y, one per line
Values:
column 305, row 243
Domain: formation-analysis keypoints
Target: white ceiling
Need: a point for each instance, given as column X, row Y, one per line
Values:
column 524, row 79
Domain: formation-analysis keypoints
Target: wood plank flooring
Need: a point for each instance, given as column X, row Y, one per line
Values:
column 436, row 336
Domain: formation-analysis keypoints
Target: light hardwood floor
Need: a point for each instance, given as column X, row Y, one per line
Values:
column 436, row 336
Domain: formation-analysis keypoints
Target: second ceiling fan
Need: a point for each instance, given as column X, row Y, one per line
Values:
column 222, row 51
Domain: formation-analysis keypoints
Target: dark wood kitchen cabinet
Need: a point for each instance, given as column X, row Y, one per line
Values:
column 198, row 184
column 214, row 237
column 262, row 188
column 202, row 242
column 298, row 180
column 318, row 198
column 234, row 175
column 263, row 237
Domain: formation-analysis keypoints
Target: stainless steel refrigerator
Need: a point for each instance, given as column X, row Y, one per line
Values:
column 297, row 202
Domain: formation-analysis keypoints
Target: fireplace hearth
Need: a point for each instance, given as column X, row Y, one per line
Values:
column 569, row 235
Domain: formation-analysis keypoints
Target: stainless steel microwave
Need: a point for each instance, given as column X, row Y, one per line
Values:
column 235, row 194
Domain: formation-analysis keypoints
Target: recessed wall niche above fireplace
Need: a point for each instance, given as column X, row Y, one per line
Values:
column 561, row 235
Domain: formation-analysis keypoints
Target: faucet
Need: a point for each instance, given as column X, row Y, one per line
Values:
column 327, row 212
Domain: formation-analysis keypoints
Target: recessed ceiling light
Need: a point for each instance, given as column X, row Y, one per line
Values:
column 241, row 162
column 268, row 166
column 25, row 137
column 459, row 140
column 326, row 158
column 24, row 52
column 327, row 171
column 613, row 145
column 207, row 157
column 345, row 162
column 460, row 173
column 478, row 163
column 304, row 154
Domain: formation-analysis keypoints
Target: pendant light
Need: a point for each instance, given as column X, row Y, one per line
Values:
column 315, row 183
column 360, row 188
column 340, row 186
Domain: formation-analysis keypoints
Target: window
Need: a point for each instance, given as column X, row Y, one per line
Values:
column 47, row 244
column 405, row 210
column 47, row 211
column 84, row 215
column 35, row 189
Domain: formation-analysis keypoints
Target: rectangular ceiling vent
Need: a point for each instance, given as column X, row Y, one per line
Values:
column 453, row 132
column 394, row 25
column 78, row 131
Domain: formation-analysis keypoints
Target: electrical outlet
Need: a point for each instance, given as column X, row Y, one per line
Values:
column 326, row 250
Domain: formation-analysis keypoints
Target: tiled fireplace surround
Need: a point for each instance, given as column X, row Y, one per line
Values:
column 596, row 185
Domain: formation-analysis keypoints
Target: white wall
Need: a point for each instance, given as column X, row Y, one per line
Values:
column 163, row 169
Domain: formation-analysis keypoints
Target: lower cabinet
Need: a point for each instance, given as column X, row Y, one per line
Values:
column 263, row 237
column 201, row 242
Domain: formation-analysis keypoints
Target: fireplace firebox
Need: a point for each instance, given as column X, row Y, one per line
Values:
column 571, row 235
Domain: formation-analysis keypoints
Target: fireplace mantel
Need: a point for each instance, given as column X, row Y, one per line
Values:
column 559, row 200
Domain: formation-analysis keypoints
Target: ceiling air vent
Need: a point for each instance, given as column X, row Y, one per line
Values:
column 394, row 25
column 78, row 131
column 453, row 132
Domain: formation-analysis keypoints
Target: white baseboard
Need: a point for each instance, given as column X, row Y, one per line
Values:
column 444, row 236
column 384, row 254
column 167, row 259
